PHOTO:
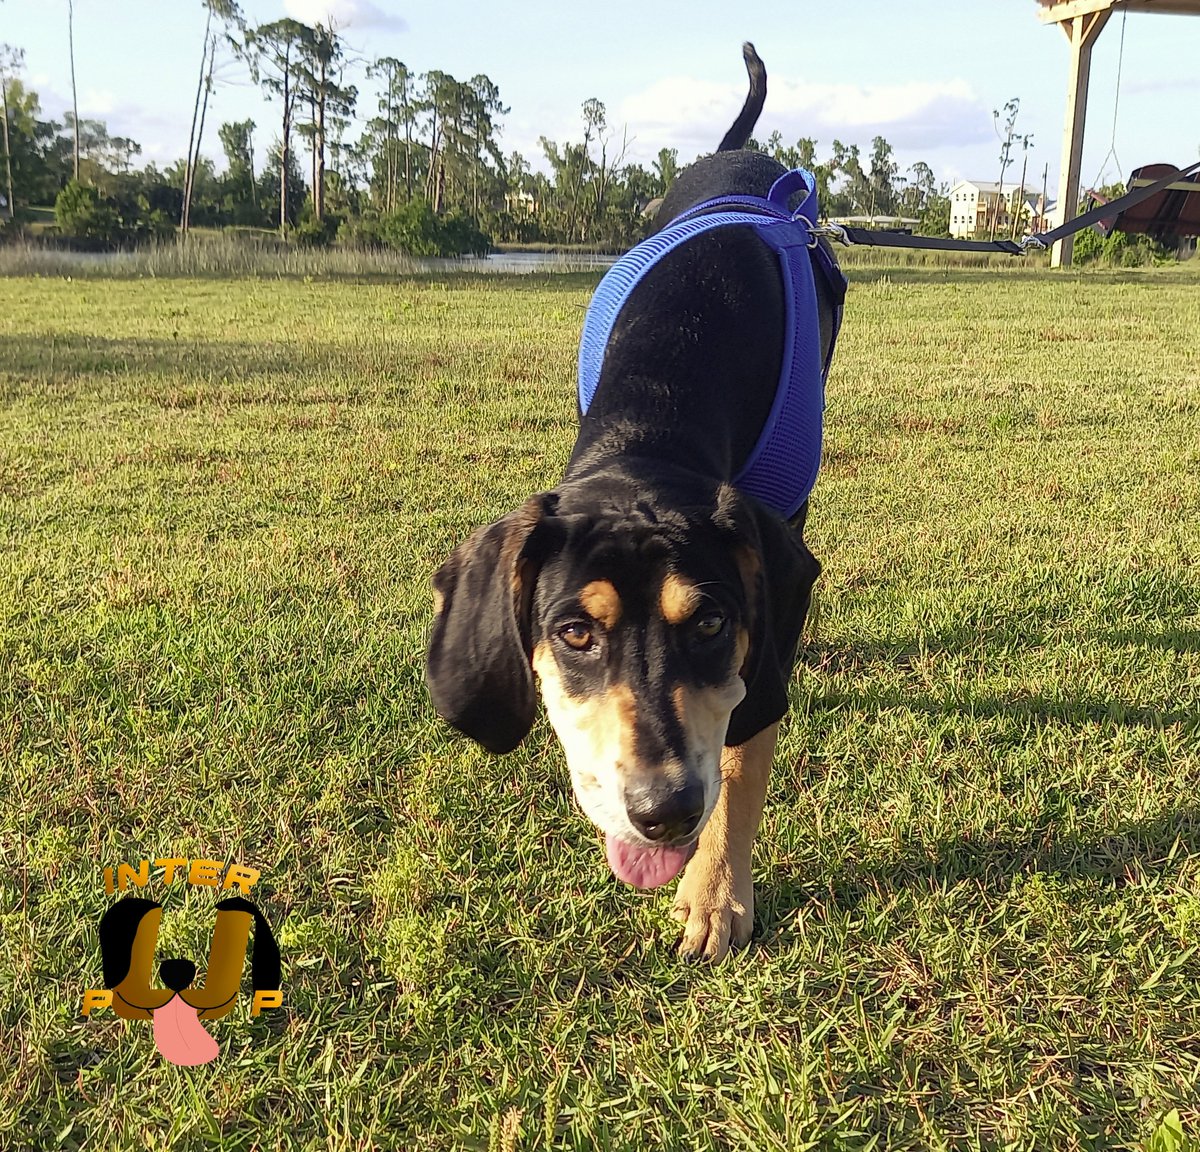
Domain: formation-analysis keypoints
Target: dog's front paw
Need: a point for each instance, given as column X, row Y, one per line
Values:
column 716, row 909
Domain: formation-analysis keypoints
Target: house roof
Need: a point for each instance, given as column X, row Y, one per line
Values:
column 877, row 219
column 993, row 187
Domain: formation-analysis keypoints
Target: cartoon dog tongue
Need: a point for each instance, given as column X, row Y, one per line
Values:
column 179, row 1035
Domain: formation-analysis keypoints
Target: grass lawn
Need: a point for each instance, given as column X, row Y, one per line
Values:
column 979, row 888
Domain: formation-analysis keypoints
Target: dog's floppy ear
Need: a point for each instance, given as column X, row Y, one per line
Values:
column 478, row 669
column 265, row 967
column 778, row 572
column 118, row 930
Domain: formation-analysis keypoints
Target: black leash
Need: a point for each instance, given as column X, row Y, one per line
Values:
column 873, row 239
column 881, row 239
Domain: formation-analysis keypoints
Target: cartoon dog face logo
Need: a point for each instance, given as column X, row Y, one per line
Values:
column 128, row 935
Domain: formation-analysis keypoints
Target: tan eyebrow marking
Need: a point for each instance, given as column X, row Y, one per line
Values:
column 678, row 599
column 601, row 602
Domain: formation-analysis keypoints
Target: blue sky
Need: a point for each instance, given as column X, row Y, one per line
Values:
column 926, row 74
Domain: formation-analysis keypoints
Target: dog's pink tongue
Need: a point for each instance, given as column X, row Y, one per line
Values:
column 646, row 867
column 180, row 1036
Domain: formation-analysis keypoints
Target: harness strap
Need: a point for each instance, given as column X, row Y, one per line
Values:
column 782, row 467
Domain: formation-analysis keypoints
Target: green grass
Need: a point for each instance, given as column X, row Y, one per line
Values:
column 979, row 891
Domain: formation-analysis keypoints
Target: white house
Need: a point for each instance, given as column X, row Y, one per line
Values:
column 520, row 203
column 976, row 204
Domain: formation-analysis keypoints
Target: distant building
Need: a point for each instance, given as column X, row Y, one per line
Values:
column 520, row 203
column 886, row 223
column 977, row 205
column 1038, row 216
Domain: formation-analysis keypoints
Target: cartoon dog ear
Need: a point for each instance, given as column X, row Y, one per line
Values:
column 478, row 669
column 778, row 572
column 118, row 930
column 266, row 970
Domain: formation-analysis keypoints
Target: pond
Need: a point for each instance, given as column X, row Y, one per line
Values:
column 239, row 259
column 518, row 262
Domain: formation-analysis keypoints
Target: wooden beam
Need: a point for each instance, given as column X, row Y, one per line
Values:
column 1179, row 186
column 1082, row 32
column 1069, row 9
column 1060, row 13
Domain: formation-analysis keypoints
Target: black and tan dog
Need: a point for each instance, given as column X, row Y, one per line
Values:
column 655, row 605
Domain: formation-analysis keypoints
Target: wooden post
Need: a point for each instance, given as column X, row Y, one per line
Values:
column 1081, row 32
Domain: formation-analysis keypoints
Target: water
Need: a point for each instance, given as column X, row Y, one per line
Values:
column 521, row 262
column 237, row 259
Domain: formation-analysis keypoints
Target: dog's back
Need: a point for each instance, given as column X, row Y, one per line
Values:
column 693, row 364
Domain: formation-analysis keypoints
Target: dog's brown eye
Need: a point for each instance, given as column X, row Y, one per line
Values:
column 710, row 625
column 577, row 636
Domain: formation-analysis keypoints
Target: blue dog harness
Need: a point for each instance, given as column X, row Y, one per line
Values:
column 782, row 468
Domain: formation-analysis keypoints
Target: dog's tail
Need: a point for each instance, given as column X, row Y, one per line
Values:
column 737, row 136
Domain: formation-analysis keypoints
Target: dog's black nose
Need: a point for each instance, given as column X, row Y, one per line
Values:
column 177, row 974
column 665, row 813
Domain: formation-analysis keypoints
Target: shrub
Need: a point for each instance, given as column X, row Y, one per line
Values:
column 461, row 236
column 1128, row 251
column 1120, row 249
column 935, row 218
column 361, row 232
column 415, row 229
column 82, row 213
column 98, row 221
column 148, row 223
column 10, row 229
column 1088, row 245
column 316, row 233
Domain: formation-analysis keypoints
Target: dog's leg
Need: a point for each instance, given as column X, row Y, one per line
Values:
column 715, row 901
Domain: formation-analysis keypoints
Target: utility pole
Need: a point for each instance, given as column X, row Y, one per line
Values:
column 7, row 153
column 8, row 57
column 250, row 151
column 1019, row 214
column 74, row 96
column 189, row 174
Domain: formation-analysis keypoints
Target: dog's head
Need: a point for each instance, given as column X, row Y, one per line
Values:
column 657, row 626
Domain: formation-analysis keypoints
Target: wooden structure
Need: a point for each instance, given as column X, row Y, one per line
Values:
column 1083, row 21
column 1172, row 214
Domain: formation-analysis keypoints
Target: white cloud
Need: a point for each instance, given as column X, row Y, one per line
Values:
column 693, row 115
column 1165, row 84
column 96, row 102
column 163, row 137
column 346, row 14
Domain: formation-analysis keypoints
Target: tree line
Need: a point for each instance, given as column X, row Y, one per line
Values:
column 419, row 167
